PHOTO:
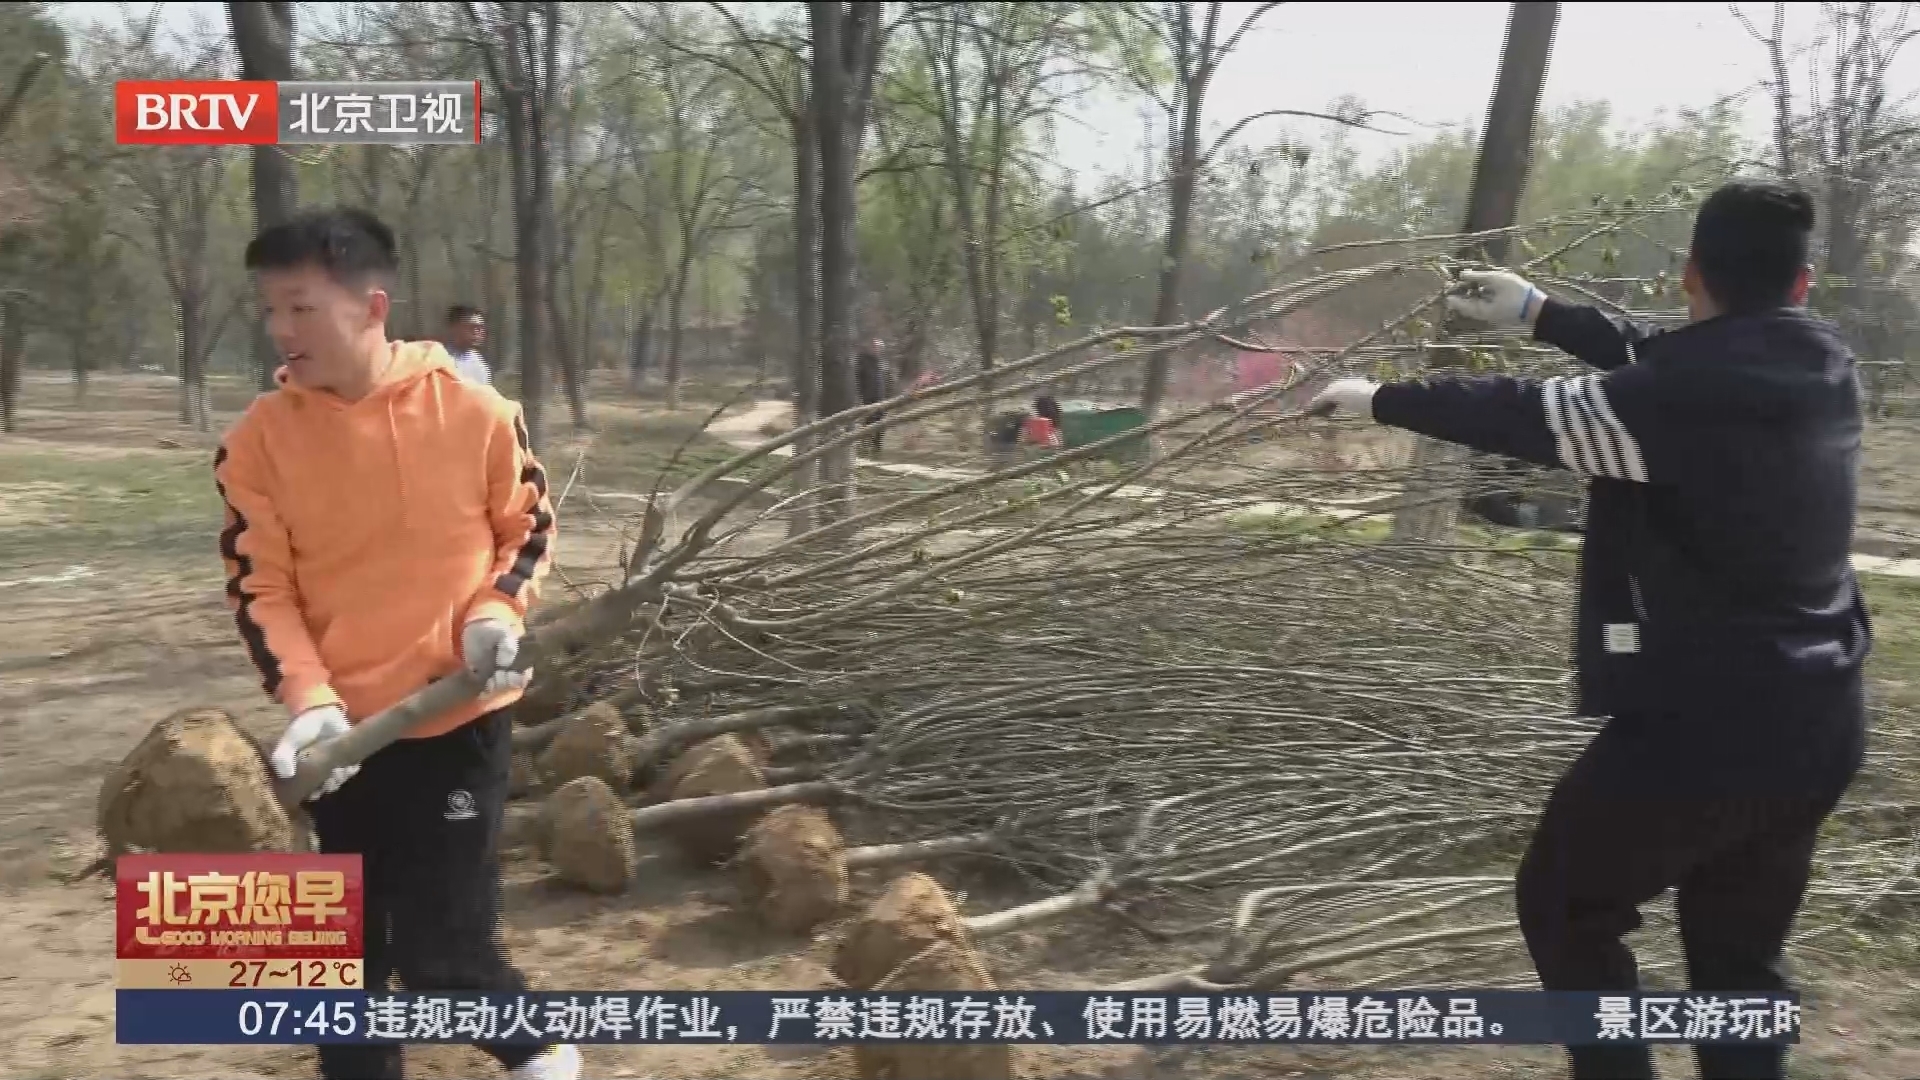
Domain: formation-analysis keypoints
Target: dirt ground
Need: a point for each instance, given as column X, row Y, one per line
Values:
column 1890, row 490
column 113, row 617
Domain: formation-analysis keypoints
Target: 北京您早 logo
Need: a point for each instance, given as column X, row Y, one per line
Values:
column 459, row 805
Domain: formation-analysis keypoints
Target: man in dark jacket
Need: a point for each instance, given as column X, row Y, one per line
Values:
column 871, row 381
column 1719, row 626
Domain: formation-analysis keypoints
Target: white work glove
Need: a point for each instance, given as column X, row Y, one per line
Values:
column 310, row 727
column 1344, row 395
column 490, row 647
column 1497, row 298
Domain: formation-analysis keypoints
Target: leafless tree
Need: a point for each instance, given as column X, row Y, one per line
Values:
column 263, row 36
column 702, row 114
column 14, row 207
column 1493, row 203
column 184, row 198
column 990, row 67
column 592, row 149
column 846, row 44
column 1171, row 52
column 822, row 86
column 1851, row 140
column 518, row 42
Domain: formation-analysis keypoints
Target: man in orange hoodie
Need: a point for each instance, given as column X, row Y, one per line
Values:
column 386, row 524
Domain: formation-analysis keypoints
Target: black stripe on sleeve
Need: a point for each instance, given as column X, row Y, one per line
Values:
column 528, row 559
column 251, row 633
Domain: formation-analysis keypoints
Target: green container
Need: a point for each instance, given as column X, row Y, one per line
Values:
column 1081, row 424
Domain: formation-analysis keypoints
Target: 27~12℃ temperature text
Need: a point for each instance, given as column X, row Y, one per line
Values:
column 238, row 974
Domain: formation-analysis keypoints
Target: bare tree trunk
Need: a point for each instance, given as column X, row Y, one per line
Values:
column 1846, row 260
column 640, row 352
column 410, row 222
column 913, row 349
column 375, row 158
column 1506, row 150
column 192, row 312
column 10, row 108
column 1493, row 202
column 541, row 79
column 1184, row 154
column 529, row 265
column 130, row 351
column 928, row 282
column 831, row 109
column 646, row 342
column 81, row 365
column 572, row 379
column 676, row 325
column 1194, row 62
column 1782, row 91
column 943, row 54
column 516, row 72
column 13, row 327
column 13, row 340
column 596, row 285
column 846, row 43
column 563, row 227
column 710, row 339
column 488, row 265
column 263, row 36
column 806, row 305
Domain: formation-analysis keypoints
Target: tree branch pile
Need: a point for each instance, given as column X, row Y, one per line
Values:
column 1157, row 684
column 1163, row 688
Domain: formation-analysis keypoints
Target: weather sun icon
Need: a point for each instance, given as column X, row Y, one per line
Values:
column 178, row 974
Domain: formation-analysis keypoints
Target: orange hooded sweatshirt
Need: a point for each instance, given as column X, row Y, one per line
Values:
column 361, row 537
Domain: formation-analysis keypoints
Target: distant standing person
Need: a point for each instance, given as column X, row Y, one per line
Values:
column 466, row 332
column 874, row 385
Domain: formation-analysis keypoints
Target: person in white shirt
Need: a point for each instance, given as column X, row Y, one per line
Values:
column 466, row 332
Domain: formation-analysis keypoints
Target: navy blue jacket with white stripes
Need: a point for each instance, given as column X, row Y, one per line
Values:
column 1717, row 610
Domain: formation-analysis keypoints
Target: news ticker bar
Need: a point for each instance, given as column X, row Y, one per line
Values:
column 179, row 113
column 1053, row 1017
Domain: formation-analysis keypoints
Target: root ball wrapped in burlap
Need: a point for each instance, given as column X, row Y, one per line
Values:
column 196, row 783
column 721, row 765
column 943, row 965
column 593, row 742
column 588, row 837
column 912, row 914
column 794, row 867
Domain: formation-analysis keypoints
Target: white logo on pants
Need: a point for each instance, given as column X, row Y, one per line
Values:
column 459, row 805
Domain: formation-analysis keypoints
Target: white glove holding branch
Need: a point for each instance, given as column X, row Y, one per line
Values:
column 1497, row 298
column 490, row 647
column 310, row 727
column 1353, row 396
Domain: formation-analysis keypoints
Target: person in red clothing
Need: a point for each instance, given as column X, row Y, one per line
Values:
column 386, row 524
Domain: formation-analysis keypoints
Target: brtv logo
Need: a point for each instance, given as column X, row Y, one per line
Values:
column 181, row 113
